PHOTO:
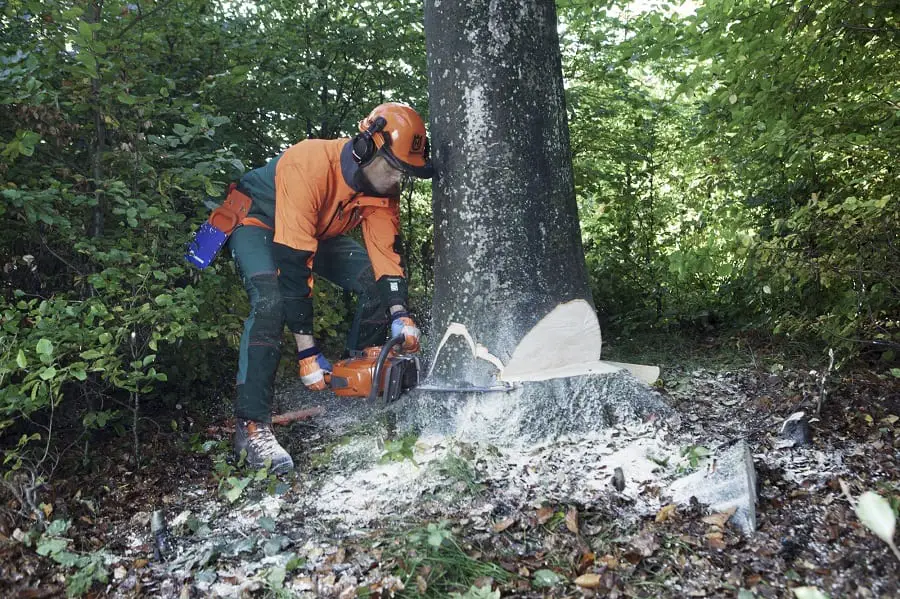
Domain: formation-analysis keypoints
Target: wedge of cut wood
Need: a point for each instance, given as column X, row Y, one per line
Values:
column 565, row 343
column 642, row 372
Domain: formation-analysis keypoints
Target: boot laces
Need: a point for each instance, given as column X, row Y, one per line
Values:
column 263, row 441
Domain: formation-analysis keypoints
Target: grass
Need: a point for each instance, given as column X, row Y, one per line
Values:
column 432, row 563
column 460, row 470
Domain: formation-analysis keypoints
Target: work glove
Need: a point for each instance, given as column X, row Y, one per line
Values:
column 312, row 367
column 402, row 324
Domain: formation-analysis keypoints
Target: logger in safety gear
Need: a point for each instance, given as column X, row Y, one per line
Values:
column 303, row 203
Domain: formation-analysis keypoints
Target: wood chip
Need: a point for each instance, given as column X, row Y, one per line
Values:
column 572, row 520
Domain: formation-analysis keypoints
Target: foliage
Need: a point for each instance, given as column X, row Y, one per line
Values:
column 119, row 123
column 398, row 450
column 718, row 173
column 88, row 568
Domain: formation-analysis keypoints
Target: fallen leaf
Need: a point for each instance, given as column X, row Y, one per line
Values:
column 588, row 581
column 544, row 514
column 715, row 540
column 875, row 512
column 587, row 560
column 665, row 513
column 546, row 578
column 609, row 561
column 572, row 520
column 484, row 582
column 719, row 519
column 808, row 593
column 140, row 563
column 504, row 524
column 421, row 584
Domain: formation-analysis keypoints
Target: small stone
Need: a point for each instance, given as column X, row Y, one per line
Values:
column 618, row 479
column 141, row 519
column 795, row 429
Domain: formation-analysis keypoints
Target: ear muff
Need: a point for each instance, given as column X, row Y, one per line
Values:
column 364, row 148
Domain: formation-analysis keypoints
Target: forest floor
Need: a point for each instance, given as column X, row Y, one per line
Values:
column 371, row 514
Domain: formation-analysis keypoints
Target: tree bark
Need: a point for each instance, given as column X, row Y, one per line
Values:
column 507, row 239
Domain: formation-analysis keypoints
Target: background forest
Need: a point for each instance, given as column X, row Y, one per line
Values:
column 735, row 163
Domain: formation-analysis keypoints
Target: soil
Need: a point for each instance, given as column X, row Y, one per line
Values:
column 459, row 525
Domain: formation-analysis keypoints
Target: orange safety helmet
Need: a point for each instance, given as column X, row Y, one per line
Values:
column 398, row 132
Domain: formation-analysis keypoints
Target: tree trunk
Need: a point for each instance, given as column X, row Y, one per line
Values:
column 96, row 226
column 507, row 239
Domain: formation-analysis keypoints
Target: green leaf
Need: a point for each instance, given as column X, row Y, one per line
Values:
column 45, row 347
column 267, row 523
column 51, row 545
column 79, row 374
column 48, row 373
column 91, row 354
column 808, row 593
column 21, row 360
column 58, row 527
column 236, row 487
column 546, row 578
column 126, row 98
column 104, row 338
column 163, row 300
column 895, row 372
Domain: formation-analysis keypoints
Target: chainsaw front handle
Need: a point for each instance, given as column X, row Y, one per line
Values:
column 379, row 364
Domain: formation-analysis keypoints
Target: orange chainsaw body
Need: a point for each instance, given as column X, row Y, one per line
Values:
column 355, row 376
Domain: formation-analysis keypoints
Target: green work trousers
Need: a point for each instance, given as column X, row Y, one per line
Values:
column 342, row 261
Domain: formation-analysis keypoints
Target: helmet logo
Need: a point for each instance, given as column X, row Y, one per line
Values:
column 417, row 142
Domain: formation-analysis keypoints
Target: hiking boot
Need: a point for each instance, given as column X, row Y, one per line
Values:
column 261, row 445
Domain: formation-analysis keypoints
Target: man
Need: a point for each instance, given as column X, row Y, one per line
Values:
column 304, row 201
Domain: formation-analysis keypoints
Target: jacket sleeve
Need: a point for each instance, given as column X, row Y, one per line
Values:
column 296, row 211
column 381, row 231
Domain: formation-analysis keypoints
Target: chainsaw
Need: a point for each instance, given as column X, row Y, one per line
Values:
column 379, row 374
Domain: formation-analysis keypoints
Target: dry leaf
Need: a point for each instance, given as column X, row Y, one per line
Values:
column 715, row 540
column 720, row 518
column 665, row 513
column 609, row 561
column 47, row 509
column 587, row 560
column 421, row 584
column 544, row 514
column 140, row 563
column 572, row 520
column 588, row 581
column 504, row 524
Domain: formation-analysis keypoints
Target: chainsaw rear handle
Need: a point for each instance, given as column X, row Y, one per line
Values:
column 379, row 363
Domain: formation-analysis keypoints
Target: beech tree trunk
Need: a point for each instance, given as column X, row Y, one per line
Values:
column 507, row 238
